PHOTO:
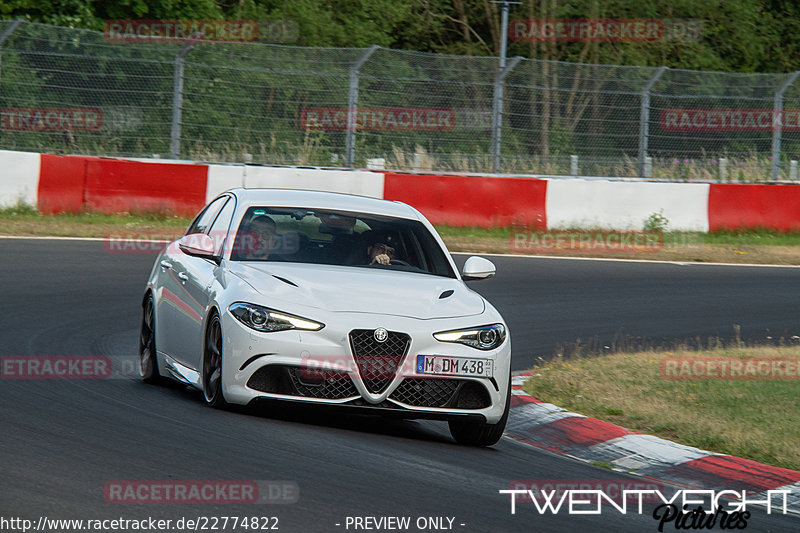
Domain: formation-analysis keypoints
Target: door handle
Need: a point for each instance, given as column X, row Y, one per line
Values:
column 166, row 264
column 183, row 276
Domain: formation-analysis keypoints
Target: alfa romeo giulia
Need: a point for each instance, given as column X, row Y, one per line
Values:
column 326, row 298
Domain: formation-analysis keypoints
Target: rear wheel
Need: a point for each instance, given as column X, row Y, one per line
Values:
column 472, row 433
column 148, row 361
column 212, row 364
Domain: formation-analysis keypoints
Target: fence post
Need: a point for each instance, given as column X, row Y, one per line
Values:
column 573, row 165
column 497, row 111
column 352, row 106
column 644, row 119
column 177, row 103
column 7, row 33
column 777, row 120
column 648, row 166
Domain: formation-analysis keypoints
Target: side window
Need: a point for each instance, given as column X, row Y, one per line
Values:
column 219, row 229
column 205, row 218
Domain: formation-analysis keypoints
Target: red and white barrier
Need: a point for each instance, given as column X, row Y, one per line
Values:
column 768, row 206
column 73, row 183
column 20, row 178
column 626, row 205
column 224, row 177
column 359, row 182
column 471, row 201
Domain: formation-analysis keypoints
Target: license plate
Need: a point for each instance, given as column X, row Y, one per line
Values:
column 454, row 366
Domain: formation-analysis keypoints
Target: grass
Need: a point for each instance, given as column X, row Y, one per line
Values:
column 315, row 149
column 22, row 219
column 457, row 231
column 760, row 245
column 752, row 236
column 742, row 167
column 602, row 464
column 745, row 246
column 755, row 419
column 744, row 236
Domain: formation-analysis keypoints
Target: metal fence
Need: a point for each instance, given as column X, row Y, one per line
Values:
column 66, row 90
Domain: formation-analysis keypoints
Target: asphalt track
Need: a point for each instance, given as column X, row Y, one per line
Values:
column 62, row 441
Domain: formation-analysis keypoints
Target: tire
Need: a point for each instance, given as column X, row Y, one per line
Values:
column 471, row 433
column 212, row 364
column 148, row 358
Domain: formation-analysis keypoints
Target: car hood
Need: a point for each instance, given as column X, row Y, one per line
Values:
column 361, row 290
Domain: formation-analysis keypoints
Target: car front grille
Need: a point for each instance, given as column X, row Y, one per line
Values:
column 378, row 361
column 308, row 383
column 328, row 384
column 336, row 385
column 437, row 392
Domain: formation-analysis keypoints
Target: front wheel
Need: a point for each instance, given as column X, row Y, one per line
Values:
column 212, row 364
column 472, row 433
column 148, row 362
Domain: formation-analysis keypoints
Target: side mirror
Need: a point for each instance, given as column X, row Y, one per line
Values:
column 197, row 244
column 477, row 268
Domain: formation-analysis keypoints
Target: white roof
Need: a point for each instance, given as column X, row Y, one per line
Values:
column 324, row 200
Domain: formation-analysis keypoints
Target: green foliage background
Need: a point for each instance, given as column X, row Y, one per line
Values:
column 240, row 98
column 739, row 36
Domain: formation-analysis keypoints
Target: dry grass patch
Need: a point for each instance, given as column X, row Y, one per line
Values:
column 765, row 247
column 759, row 246
column 756, row 419
column 25, row 220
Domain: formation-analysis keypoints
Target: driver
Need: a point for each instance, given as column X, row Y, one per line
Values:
column 266, row 237
column 380, row 253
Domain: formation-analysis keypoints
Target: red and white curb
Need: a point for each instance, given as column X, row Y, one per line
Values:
column 550, row 427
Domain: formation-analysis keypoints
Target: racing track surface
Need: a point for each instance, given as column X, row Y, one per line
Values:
column 62, row 441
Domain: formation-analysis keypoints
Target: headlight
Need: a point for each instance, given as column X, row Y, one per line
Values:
column 266, row 320
column 482, row 337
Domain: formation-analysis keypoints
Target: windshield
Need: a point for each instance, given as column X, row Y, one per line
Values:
column 299, row 235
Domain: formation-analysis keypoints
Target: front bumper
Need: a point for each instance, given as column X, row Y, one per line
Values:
column 318, row 368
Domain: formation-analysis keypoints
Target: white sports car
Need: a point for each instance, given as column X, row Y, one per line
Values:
column 331, row 299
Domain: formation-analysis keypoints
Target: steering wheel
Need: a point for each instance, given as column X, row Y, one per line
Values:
column 398, row 262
